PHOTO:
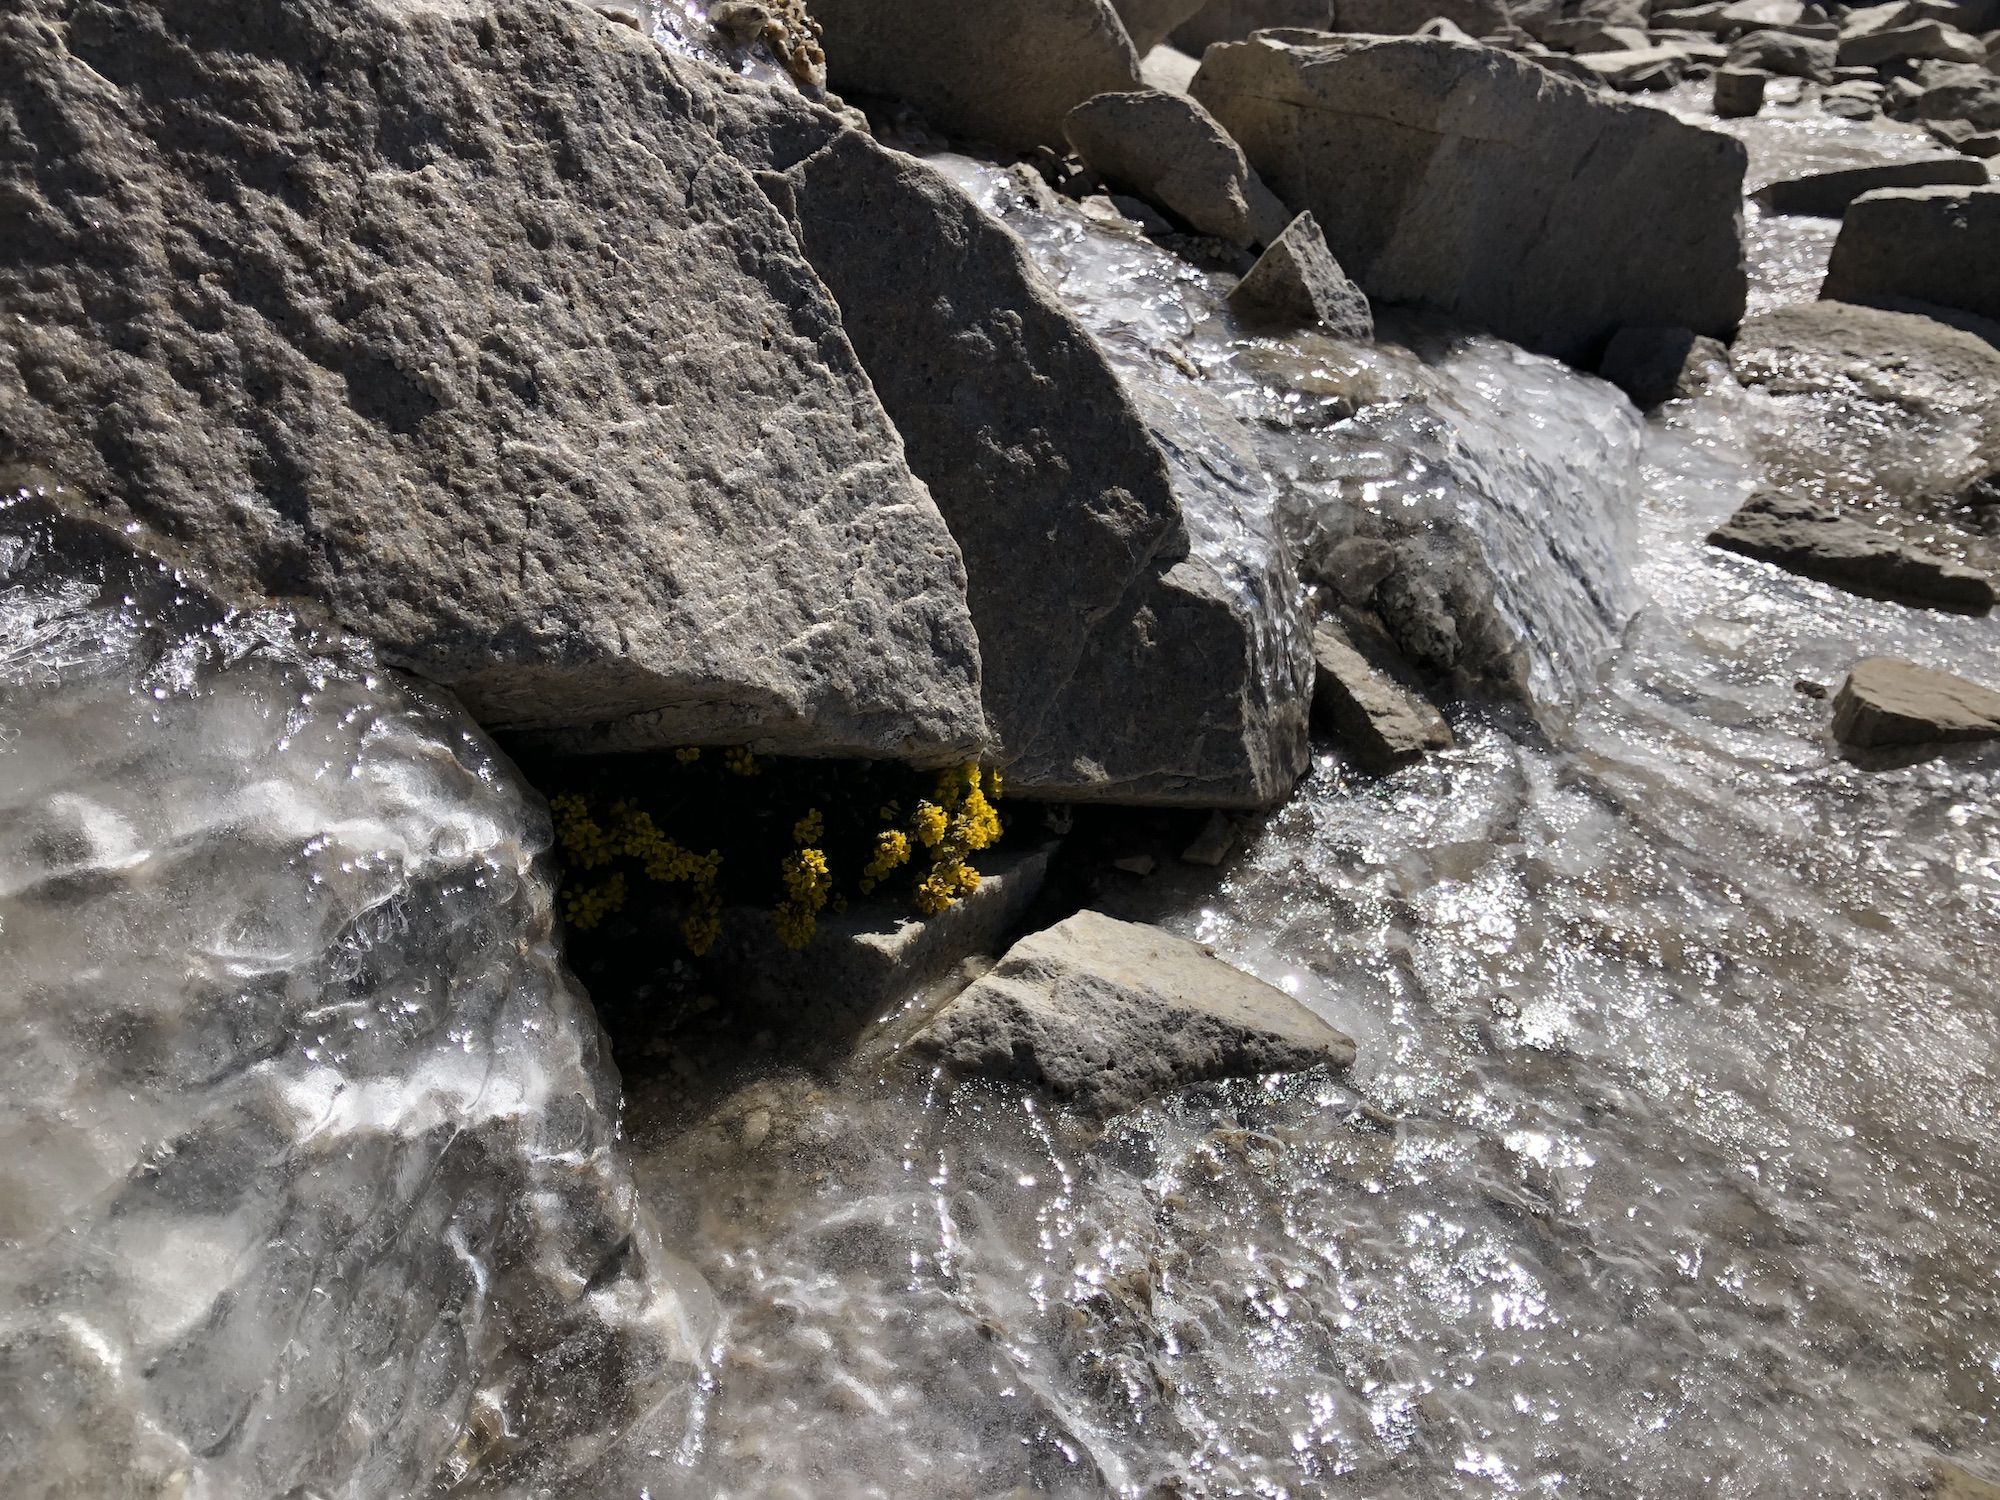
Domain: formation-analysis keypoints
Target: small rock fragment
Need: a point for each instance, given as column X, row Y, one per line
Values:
column 1815, row 542
column 1886, row 702
column 1739, row 92
column 1212, row 845
column 1106, row 1014
column 1381, row 722
column 1297, row 281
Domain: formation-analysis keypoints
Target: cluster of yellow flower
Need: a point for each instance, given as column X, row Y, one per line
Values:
column 808, row 885
column 634, row 835
column 892, row 852
column 687, row 755
column 959, row 822
column 738, row 759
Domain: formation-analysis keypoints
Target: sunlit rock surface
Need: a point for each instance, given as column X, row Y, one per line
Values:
column 309, row 1171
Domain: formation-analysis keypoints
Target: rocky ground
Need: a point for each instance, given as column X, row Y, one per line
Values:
column 631, row 377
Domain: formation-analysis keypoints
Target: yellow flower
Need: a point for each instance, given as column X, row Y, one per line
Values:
column 807, row 880
column 687, row 755
column 810, row 829
column 892, row 852
column 929, row 823
column 587, row 906
column 740, row 761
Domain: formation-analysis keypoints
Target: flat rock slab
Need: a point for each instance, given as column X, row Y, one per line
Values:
column 1171, row 152
column 1003, row 71
column 1938, row 245
column 1380, row 721
column 1476, row 182
column 1887, row 702
column 456, row 324
column 1815, row 542
column 1104, row 1014
column 1297, row 282
column 1827, row 194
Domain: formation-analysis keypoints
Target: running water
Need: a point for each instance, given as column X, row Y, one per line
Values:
column 1666, row 1167
column 1665, row 1170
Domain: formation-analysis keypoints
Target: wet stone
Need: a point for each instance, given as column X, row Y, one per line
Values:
column 1887, row 702
column 1817, row 542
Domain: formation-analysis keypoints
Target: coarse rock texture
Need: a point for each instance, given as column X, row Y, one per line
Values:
column 1886, row 702
column 1233, row 20
column 1473, row 181
column 1921, row 39
column 1298, row 282
column 581, row 438
column 1104, row 1014
column 309, row 1148
column 1814, row 541
column 1635, row 70
column 1827, row 194
column 1171, row 152
column 1738, row 92
column 1379, row 721
column 1148, row 22
column 1652, row 365
column 1929, row 245
column 1784, row 54
column 1002, row 71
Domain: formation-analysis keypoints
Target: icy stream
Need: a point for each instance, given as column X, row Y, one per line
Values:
column 1685, row 1022
column 1667, row 1169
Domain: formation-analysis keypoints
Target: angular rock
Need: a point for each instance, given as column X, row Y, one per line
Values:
column 1233, row 20
column 320, row 345
column 1103, row 1015
column 309, row 1145
column 1852, row 101
column 1974, row 100
column 1148, row 22
column 1639, row 70
column 1382, row 723
column 1298, row 282
column 1474, row 181
column 1168, row 69
column 1926, row 39
column 1816, row 542
column 1887, row 702
column 1738, row 92
column 1931, row 245
column 1786, row 55
column 1654, row 365
column 1587, row 34
column 1003, row 71
column 1170, row 151
column 1827, row 194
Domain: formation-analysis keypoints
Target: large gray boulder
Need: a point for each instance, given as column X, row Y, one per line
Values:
column 1003, row 71
column 1930, row 245
column 1148, row 22
column 1170, row 151
column 1104, row 1014
column 458, row 325
column 1118, row 668
column 1473, row 181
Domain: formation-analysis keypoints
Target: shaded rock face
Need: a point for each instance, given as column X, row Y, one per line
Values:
column 456, row 321
column 1654, row 365
column 1003, row 71
column 1886, row 702
column 1105, row 1014
column 308, row 1144
column 1170, row 151
column 1784, row 54
column 1120, row 668
column 1815, row 541
column 1932, row 245
column 1472, row 181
